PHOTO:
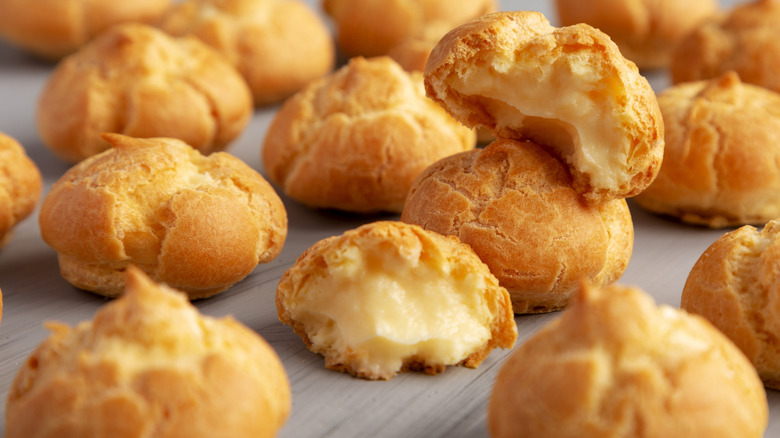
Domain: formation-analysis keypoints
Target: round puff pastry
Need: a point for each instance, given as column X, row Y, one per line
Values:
column 374, row 27
column 722, row 148
column 149, row 365
column 514, row 205
column 278, row 46
column 196, row 223
column 389, row 297
column 55, row 28
column 20, row 186
column 745, row 40
column 645, row 30
column 357, row 139
column 734, row 285
column 567, row 89
column 136, row 80
column 617, row 365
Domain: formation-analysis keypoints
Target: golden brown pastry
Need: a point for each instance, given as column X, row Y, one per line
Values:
column 745, row 40
column 616, row 365
column 149, row 365
column 55, row 28
column 734, row 285
column 20, row 186
column 722, row 149
column 513, row 203
column 412, row 53
column 567, row 89
column 373, row 27
column 278, row 46
column 136, row 80
column 577, row 127
column 645, row 30
column 355, row 140
column 197, row 223
column 389, row 297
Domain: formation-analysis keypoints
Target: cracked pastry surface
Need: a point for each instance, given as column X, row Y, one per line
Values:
column 278, row 46
column 646, row 31
column 733, row 285
column 138, row 81
column 390, row 297
column 56, row 28
column 722, row 156
column 513, row 203
column 373, row 27
column 567, row 89
column 20, row 186
column 617, row 365
column 356, row 139
column 197, row 223
column 148, row 364
column 745, row 39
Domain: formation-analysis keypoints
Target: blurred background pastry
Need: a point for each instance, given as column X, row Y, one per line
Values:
column 56, row 28
column 136, row 80
column 278, row 46
column 647, row 31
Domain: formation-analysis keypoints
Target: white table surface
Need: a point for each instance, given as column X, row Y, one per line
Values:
column 325, row 403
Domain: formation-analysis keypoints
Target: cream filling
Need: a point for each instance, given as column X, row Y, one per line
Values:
column 544, row 100
column 383, row 308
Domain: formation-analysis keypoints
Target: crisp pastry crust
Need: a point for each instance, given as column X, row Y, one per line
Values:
column 20, row 186
column 734, row 285
column 373, row 27
column 357, row 139
column 567, row 89
column 646, row 31
column 722, row 149
column 278, row 46
column 56, row 28
column 136, row 80
column 390, row 297
column 197, row 223
column 513, row 203
column 149, row 365
column 745, row 40
column 617, row 365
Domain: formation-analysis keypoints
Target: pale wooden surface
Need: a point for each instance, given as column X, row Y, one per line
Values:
column 326, row 403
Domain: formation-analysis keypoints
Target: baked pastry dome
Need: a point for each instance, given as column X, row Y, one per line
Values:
column 389, row 297
column 56, row 28
column 734, row 285
column 278, row 46
column 577, row 129
column 373, row 27
column 197, row 223
column 514, row 204
column 566, row 89
column 722, row 145
column 20, row 186
column 646, row 31
column 617, row 365
column 149, row 365
column 745, row 39
column 136, row 80
column 356, row 139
